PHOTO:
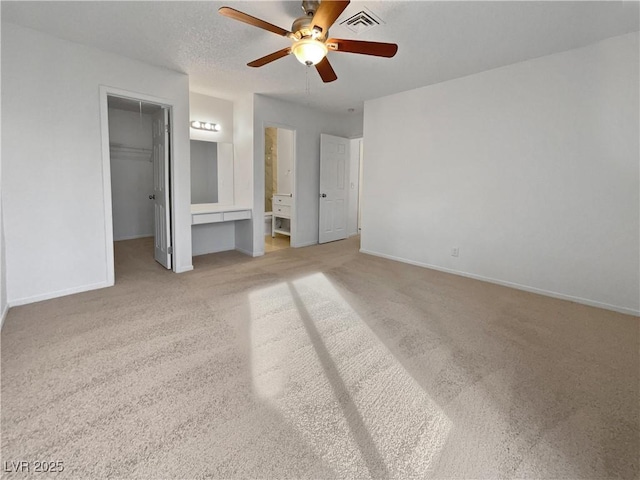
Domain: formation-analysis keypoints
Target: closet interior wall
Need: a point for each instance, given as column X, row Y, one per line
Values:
column 130, row 144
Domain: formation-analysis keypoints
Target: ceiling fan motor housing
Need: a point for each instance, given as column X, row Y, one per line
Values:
column 302, row 28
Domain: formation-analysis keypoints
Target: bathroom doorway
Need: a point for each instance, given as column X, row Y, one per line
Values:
column 279, row 185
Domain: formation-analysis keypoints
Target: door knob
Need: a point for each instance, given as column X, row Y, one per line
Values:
column 152, row 197
column 323, row 195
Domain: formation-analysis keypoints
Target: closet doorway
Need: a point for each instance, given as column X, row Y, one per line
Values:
column 279, row 185
column 139, row 183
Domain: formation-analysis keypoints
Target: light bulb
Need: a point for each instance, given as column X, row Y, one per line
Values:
column 309, row 51
column 211, row 127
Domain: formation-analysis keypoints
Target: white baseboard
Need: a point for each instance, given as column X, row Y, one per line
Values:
column 4, row 315
column 133, row 237
column 247, row 252
column 504, row 283
column 305, row 244
column 59, row 293
column 186, row 268
column 197, row 253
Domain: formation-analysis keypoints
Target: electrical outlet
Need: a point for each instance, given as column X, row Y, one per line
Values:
column 455, row 251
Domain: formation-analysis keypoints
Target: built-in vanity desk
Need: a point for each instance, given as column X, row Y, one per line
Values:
column 215, row 217
column 214, row 213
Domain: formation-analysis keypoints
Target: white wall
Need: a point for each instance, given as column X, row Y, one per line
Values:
column 531, row 170
column 354, row 186
column 131, row 175
column 285, row 161
column 213, row 110
column 4, row 306
column 243, row 179
column 130, row 129
column 309, row 124
column 213, row 237
column 53, row 188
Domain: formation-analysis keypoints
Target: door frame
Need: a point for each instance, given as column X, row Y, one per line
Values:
column 107, row 91
column 360, row 177
column 358, row 199
column 294, row 197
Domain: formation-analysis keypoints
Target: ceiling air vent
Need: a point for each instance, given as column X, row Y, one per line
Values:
column 362, row 21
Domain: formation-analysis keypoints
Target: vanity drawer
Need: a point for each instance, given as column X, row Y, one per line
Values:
column 239, row 215
column 281, row 200
column 206, row 218
column 281, row 211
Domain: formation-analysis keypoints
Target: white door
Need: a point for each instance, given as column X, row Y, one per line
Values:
column 162, row 251
column 334, row 180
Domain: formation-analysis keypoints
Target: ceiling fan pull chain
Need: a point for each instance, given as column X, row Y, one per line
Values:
column 307, row 89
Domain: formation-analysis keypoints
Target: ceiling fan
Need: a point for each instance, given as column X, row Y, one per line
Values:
column 310, row 36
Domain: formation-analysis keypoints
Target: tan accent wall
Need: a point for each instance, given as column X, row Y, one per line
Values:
column 270, row 166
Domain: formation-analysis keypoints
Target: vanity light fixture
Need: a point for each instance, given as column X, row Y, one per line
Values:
column 210, row 127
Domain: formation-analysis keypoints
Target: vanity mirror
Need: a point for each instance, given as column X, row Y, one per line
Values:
column 211, row 172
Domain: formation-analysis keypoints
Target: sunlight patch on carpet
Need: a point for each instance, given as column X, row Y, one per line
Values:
column 318, row 363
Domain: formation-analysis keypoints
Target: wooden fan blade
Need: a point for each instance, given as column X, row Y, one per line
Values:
column 270, row 58
column 327, row 13
column 256, row 22
column 377, row 49
column 326, row 71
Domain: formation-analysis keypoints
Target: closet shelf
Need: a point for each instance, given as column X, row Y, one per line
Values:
column 130, row 153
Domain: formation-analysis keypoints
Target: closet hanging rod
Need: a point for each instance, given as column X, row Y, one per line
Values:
column 135, row 153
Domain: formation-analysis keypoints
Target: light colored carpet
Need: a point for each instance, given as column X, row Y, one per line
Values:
column 317, row 363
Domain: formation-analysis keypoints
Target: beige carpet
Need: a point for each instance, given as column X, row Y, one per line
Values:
column 317, row 363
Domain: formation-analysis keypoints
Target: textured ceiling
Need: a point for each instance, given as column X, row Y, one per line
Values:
column 437, row 41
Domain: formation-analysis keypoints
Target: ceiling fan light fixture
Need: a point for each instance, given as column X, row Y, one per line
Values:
column 309, row 51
